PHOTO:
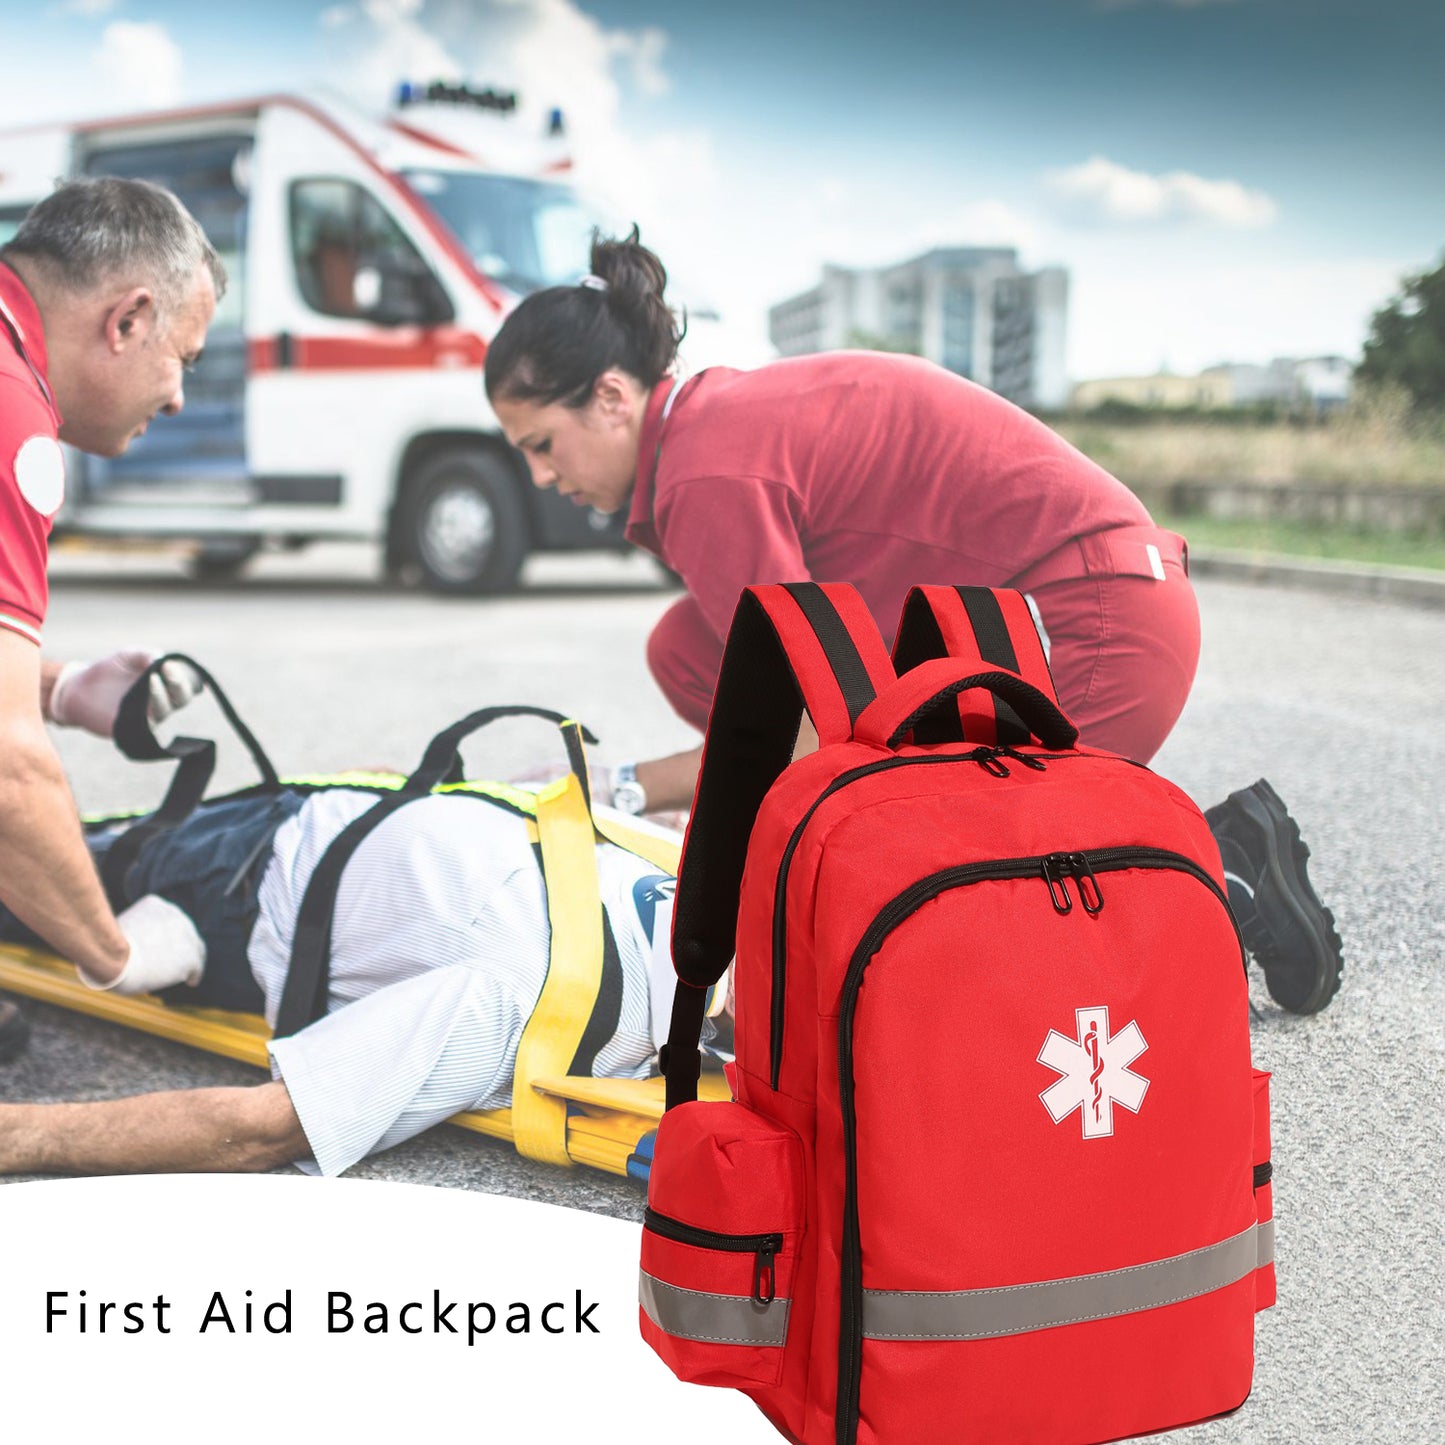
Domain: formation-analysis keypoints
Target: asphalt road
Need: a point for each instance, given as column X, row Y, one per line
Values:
column 1336, row 700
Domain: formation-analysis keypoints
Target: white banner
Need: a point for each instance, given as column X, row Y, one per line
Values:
column 270, row 1309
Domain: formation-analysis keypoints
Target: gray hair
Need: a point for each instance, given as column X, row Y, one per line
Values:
column 104, row 229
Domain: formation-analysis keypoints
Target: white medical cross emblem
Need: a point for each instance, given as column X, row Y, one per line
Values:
column 1096, row 1072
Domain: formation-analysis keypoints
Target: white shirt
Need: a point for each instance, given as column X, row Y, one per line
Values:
column 439, row 950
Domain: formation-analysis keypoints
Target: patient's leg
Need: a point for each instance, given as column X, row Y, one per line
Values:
column 247, row 1129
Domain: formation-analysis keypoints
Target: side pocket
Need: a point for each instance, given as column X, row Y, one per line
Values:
column 1264, row 1284
column 720, row 1244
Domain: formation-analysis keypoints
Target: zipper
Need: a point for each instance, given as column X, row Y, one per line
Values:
column 765, row 1247
column 988, row 758
column 1053, row 868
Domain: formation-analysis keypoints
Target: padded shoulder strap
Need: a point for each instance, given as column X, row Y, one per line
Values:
column 791, row 647
column 985, row 625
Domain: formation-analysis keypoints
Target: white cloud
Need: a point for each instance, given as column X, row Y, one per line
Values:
column 1126, row 319
column 139, row 63
column 1102, row 191
column 88, row 9
column 644, row 50
column 337, row 15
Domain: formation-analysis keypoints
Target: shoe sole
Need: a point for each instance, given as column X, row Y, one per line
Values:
column 1317, row 923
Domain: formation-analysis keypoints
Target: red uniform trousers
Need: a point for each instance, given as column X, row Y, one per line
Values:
column 1123, row 639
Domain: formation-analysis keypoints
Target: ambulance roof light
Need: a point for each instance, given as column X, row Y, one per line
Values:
column 441, row 92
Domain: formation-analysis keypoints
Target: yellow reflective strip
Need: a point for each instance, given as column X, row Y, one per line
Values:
column 574, row 972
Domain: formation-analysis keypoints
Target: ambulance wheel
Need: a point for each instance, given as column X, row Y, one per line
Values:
column 223, row 561
column 464, row 524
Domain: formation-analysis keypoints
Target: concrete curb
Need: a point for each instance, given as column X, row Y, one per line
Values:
column 1417, row 585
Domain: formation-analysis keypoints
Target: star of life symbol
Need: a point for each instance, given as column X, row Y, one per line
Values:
column 1096, row 1072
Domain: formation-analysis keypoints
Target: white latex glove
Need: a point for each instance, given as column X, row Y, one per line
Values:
column 87, row 694
column 165, row 949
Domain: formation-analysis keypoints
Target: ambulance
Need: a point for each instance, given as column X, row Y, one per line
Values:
column 340, row 394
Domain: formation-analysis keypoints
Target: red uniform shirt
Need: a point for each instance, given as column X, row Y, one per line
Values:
column 883, row 471
column 32, row 469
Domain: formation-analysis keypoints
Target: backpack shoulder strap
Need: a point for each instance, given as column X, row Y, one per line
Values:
column 987, row 625
column 791, row 647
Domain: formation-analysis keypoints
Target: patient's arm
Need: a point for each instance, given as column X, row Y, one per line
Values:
column 233, row 1130
column 670, row 782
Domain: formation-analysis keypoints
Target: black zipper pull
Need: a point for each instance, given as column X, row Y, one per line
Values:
column 1055, row 867
column 765, row 1275
column 987, row 759
column 1024, row 758
column 1082, row 871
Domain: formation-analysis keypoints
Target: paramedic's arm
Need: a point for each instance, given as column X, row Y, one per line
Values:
column 250, row 1129
column 723, row 534
column 47, row 879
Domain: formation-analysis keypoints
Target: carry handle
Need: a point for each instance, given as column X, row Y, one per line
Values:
column 925, row 689
column 992, row 627
column 442, row 760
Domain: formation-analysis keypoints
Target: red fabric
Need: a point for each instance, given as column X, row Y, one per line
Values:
column 885, row 472
column 913, row 1074
column 25, row 412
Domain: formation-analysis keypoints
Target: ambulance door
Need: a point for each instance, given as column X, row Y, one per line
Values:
column 353, row 343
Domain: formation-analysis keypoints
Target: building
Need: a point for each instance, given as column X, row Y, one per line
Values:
column 969, row 308
column 1163, row 389
column 1318, row 382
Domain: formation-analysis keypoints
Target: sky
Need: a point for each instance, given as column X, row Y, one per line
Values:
column 1225, row 180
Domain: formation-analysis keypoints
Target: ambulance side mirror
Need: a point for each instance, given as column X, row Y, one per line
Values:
column 390, row 292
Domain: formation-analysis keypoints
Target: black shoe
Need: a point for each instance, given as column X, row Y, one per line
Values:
column 14, row 1032
column 1285, row 926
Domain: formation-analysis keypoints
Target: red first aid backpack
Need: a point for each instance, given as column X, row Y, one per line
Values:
column 996, row 1166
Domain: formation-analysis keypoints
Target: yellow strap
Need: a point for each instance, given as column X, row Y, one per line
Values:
column 574, row 971
column 660, row 852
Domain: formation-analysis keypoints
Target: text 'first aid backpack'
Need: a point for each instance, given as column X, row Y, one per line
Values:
column 996, row 1168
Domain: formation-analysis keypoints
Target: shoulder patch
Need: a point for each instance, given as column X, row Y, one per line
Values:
column 40, row 474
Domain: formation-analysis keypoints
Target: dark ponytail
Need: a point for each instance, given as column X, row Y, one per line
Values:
column 556, row 344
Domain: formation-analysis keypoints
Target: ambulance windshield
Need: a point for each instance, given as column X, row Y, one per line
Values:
column 523, row 234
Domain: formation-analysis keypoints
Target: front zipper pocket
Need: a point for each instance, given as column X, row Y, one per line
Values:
column 720, row 1243
column 1264, row 1286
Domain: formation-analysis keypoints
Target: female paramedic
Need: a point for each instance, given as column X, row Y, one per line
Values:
column 886, row 472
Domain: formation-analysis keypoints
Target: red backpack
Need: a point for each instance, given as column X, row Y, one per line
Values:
column 996, row 1168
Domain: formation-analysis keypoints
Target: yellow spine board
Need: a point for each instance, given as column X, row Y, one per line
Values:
column 554, row 1117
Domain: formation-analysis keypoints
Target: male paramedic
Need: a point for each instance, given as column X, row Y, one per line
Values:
column 106, row 292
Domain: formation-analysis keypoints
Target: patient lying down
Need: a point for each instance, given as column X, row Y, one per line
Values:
column 439, row 952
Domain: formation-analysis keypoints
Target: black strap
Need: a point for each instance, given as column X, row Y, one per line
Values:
column 308, row 978
column 837, row 642
column 196, row 762
column 606, row 1010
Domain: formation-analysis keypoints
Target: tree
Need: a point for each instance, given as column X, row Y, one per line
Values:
column 1406, row 346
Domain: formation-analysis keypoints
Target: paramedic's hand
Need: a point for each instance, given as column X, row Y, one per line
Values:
column 87, row 694
column 165, row 949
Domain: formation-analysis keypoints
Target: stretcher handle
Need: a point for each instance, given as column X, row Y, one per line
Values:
column 442, row 761
column 921, row 692
column 195, row 760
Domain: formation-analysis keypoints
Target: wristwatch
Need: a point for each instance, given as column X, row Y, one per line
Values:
column 628, row 795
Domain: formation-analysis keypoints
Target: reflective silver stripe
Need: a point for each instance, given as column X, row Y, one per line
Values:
column 1266, row 1242
column 714, row 1319
column 980, row 1314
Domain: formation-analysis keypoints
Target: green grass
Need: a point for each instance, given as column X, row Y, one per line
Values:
column 1300, row 539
